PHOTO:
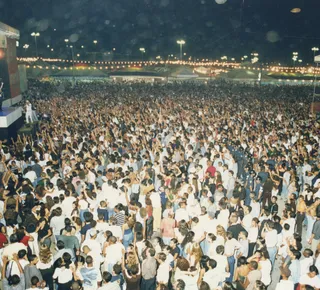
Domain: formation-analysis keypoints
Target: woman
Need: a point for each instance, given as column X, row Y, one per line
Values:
column 181, row 231
column 63, row 274
column 10, row 181
column 265, row 268
column 167, row 228
column 187, row 243
column 133, row 275
column 241, row 272
column 44, row 232
column 195, row 255
column 301, row 214
column 127, row 231
column 45, row 265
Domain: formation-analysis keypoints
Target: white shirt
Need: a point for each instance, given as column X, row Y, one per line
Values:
column 247, row 219
column 285, row 285
column 253, row 234
column 63, row 274
column 305, row 265
column 231, row 246
column 213, row 277
column 265, row 268
column 163, row 273
column 271, row 238
column 57, row 224
column 181, row 214
column 306, row 280
column 66, row 205
column 155, row 199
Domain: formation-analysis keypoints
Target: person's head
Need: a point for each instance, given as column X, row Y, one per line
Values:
column 220, row 250
column 307, row 253
column 242, row 261
column 60, row 245
column 313, row 271
column 162, row 257
column 150, row 252
column 212, row 264
column 179, row 285
column 134, row 270
column 253, row 265
column 14, row 280
column 295, row 255
column 173, row 243
column 89, row 261
column 243, row 235
column 229, row 235
column 34, row 281
column 106, row 277
column 76, row 285
column 204, row 286
column 33, row 259
column 285, row 273
column 22, row 254
column 274, row 199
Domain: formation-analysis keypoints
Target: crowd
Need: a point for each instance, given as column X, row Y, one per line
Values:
column 179, row 186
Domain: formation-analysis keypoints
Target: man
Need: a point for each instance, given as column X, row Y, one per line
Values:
column 89, row 275
column 163, row 270
column 28, row 112
column 1, row 96
column 253, row 276
column 31, row 271
column 285, row 283
column 61, row 250
column 271, row 237
column 107, row 284
column 213, row 276
column 149, row 270
column 315, row 236
column 311, row 278
column 37, row 285
column 16, row 283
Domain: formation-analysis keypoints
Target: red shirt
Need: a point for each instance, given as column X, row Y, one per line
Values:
column 211, row 170
column 3, row 240
column 25, row 240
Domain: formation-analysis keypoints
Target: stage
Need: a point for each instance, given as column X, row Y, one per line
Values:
column 11, row 121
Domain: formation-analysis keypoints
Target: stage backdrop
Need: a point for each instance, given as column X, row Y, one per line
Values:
column 23, row 78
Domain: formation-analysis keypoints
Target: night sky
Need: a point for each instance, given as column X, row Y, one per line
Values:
column 210, row 30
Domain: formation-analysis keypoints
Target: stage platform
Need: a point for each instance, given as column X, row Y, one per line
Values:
column 11, row 121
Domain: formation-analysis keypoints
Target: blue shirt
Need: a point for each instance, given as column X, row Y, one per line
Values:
column 295, row 271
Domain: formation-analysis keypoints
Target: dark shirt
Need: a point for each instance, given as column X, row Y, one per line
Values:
column 316, row 230
column 235, row 230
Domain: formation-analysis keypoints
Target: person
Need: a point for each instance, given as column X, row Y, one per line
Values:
column 12, row 282
column 311, row 278
column 253, row 276
column 167, row 158
column 149, row 270
column 107, row 284
column 1, row 95
column 285, row 283
column 28, row 109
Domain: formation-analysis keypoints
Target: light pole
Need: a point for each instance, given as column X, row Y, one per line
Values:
column 35, row 35
column 181, row 42
column 26, row 46
column 143, row 51
column 314, row 49
column 294, row 58
column 72, row 52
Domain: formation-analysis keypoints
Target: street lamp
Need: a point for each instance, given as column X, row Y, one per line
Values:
column 181, row 42
column 35, row 35
column 142, row 51
column 314, row 49
column 95, row 41
column 71, row 47
column 294, row 58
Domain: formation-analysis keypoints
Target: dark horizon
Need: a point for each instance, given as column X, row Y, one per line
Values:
column 210, row 30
